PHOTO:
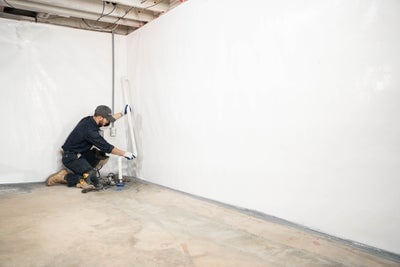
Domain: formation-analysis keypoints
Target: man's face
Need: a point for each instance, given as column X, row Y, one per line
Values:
column 103, row 122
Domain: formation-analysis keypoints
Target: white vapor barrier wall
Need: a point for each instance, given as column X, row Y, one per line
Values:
column 290, row 108
column 51, row 77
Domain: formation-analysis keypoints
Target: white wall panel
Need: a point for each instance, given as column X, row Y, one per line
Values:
column 285, row 107
column 51, row 77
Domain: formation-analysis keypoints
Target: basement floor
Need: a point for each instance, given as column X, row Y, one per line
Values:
column 148, row 225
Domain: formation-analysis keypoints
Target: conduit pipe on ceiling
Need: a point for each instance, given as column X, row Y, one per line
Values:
column 96, row 7
column 70, row 13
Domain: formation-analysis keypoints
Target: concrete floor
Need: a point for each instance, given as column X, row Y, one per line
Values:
column 147, row 225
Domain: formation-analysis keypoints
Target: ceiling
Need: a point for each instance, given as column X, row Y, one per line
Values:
column 118, row 16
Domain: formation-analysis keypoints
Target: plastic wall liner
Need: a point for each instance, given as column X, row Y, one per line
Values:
column 51, row 77
column 291, row 110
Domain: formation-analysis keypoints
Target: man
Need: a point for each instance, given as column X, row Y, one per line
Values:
column 85, row 148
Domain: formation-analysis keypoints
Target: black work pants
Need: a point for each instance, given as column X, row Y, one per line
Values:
column 80, row 164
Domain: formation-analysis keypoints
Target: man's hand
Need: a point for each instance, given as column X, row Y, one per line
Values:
column 129, row 155
column 126, row 109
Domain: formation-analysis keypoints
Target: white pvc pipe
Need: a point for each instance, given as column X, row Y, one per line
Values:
column 120, row 169
column 125, row 90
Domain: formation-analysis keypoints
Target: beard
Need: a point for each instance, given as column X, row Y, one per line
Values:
column 101, row 124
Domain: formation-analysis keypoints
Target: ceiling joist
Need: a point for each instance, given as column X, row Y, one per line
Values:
column 118, row 16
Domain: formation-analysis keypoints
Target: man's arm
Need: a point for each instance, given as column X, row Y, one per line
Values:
column 117, row 115
column 124, row 111
column 119, row 152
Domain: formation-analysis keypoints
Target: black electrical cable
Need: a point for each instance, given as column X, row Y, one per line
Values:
column 114, row 25
column 105, row 15
column 126, row 12
column 92, row 26
column 101, row 16
column 153, row 5
column 102, row 12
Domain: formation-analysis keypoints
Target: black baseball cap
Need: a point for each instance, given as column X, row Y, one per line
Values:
column 105, row 112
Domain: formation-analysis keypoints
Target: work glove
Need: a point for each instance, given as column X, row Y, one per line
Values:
column 129, row 155
column 126, row 109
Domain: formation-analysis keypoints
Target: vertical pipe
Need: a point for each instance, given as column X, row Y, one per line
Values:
column 125, row 91
column 113, row 75
column 120, row 169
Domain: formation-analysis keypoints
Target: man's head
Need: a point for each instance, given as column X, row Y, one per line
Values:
column 104, row 115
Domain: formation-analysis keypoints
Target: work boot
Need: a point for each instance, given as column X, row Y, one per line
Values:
column 84, row 185
column 57, row 178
